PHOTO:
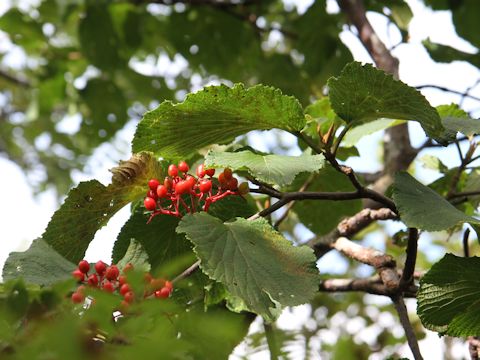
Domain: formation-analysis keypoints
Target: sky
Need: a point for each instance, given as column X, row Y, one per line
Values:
column 23, row 216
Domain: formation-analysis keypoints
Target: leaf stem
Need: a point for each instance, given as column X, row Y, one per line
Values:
column 271, row 340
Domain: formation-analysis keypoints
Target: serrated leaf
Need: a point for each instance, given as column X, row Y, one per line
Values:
column 135, row 255
column 423, row 208
column 90, row 205
column 254, row 262
column 272, row 169
column 215, row 114
column 362, row 93
column 323, row 216
column 40, row 265
column 449, row 296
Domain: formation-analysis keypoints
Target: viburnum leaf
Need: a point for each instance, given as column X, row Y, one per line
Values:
column 449, row 296
column 253, row 261
column 135, row 255
column 90, row 205
column 362, row 93
column 423, row 208
column 356, row 133
column 40, row 265
column 272, row 169
column 216, row 114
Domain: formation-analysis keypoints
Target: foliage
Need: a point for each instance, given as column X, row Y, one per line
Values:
column 240, row 260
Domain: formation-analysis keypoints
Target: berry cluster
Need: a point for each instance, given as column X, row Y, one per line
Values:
column 182, row 193
column 109, row 279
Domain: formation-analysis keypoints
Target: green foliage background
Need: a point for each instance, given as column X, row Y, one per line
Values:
column 87, row 60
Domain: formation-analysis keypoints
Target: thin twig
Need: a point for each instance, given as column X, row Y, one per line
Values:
column 442, row 88
column 290, row 205
column 407, row 327
column 466, row 249
column 409, row 268
column 191, row 269
column 339, row 139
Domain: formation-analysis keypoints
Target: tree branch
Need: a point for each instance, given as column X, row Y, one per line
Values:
column 349, row 227
column 407, row 327
column 409, row 268
column 372, row 285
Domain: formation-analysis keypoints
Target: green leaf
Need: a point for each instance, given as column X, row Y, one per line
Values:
column 466, row 126
column 362, row 93
column 355, row 134
column 272, row 169
column 40, row 265
column 90, row 205
column 135, row 255
column 98, row 38
column 447, row 54
column 423, row 208
column 158, row 238
column 323, row 216
column 449, row 296
column 433, row 163
column 254, row 262
column 214, row 115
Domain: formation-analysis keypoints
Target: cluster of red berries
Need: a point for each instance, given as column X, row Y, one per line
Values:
column 109, row 279
column 182, row 193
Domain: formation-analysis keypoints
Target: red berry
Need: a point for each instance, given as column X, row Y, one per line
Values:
column 191, row 181
column 81, row 289
column 169, row 285
column 162, row 191
column 183, row 166
column 172, row 170
column 112, row 273
column 128, row 267
column 124, row 289
column 150, row 204
column 79, row 275
column 129, row 297
column 93, row 280
column 84, row 266
column 205, row 186
column 181, row 187
column 163, row 293
column 168, row 183
column 152, row 194
column 100, row 267
column 77, row 297
column 227, row 173
column 232, row 184
column 153, row 183
column 108, row 286
column 222, row 180
column 210, row 172
column 122, row 279
column 201, row 171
